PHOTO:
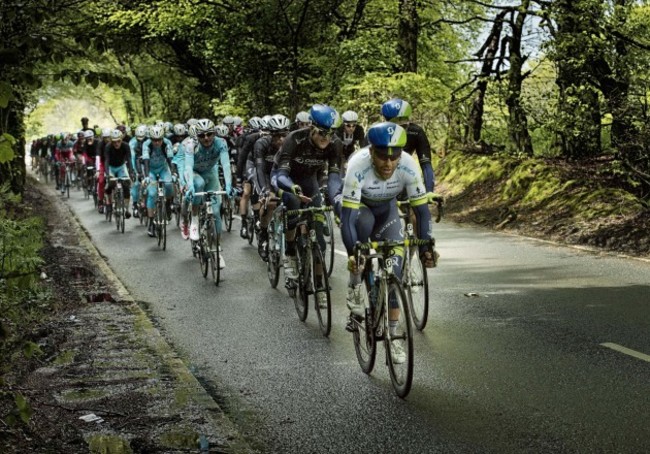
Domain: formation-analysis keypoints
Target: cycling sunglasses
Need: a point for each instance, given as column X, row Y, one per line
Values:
column 203, row 135
column 325, row 133
column 350, row 125
column 390, row 154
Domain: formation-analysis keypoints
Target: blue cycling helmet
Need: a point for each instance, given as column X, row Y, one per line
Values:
column 324, row 116
column 387, row 138
column 397, row 109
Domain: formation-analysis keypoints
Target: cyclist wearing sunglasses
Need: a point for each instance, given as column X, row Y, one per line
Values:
column 201, row 164
column 303, row 120
column 304, row 154
column 376, row 176
column 246, row 167
column 264, row 151
column 157, row 153
column 352, row 135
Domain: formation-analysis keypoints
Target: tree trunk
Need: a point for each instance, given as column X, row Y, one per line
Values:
column 579, row 110
column 489, row 52
column 409, row 32
column 517, row 120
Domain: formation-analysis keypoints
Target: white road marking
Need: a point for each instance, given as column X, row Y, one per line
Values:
column 627, row 351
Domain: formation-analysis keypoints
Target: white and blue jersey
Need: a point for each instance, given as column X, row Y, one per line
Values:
column 157, row 155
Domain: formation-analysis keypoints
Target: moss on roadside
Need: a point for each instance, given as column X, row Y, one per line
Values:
column 498, row 189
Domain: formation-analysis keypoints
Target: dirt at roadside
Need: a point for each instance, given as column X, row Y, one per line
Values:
column 103, row 360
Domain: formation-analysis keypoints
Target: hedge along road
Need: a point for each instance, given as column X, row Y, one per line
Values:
column 529, row 347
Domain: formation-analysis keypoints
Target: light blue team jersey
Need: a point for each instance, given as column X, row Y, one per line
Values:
column 179, row 159
column 201, row 159
column 157, row 158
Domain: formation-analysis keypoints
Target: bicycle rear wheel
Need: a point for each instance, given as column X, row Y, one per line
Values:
column 273, row 255
column 250, row 228
column 300, row 298
column 68, row 183
column 324, row 313
column 158, row 220
column 400, row 364
column 163, row 228
column 416, row 285
column 226, row 213
column 328, row 255
column 204, row 257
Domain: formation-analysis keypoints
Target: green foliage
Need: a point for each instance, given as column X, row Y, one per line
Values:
column 459, row 171
column 7, row 143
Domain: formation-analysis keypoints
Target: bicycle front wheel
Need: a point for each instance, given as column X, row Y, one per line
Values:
column 213, row 248
column 363, row 335
column 203, row 251
column 226, row 213
column 321, row 285
column 122, row 213
column 416, row 285
column 300, row 298
column 328, row 255
column 399, row 343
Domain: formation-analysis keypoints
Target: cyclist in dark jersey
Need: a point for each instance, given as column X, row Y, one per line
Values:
column 304, row 154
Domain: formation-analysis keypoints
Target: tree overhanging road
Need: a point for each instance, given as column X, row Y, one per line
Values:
column 530, row 347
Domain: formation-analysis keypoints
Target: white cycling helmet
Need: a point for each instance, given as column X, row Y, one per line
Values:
column 303, row 117
column 191, row 131
column 106, row 132
column 278, row 123
column 192, row 121
column 221, row 130
column 350, row 116
column 204, row 125
column 180, row 129
column 237, row 121
column 228, row 120
column 116, row 135
column 89, row 134
column 156, row 132
column 141, row 131
column 255, row 122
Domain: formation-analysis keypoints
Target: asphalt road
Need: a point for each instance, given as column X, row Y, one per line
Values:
column 522, row 367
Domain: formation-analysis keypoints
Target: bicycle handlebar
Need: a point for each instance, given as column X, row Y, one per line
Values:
column 209, row 193
column 300, row 211
column 432, row 198
column 389, row 244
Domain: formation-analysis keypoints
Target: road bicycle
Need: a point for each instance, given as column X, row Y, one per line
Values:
column 312, row 274
column 414, row 274
column 383, row 290
column 207, row 247
column 117, row 209
column 160, row 217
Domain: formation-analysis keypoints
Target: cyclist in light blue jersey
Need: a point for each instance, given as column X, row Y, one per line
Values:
column 135, row 143
column 156, row 157
column 202, row 160
column 178, row 167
